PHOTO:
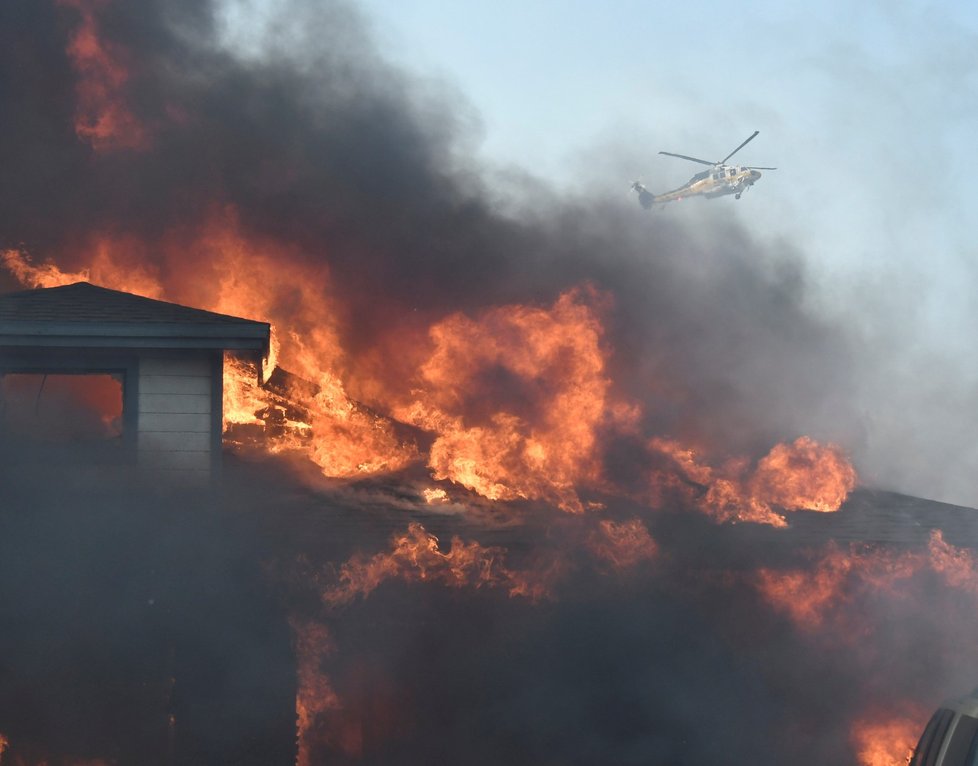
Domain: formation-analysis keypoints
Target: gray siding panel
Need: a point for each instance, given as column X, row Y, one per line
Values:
column 193, row 366
column 174, row 384
column 183, row 477
column 176, row 402
column 172, row 404
column 174, row 441
column 181, row 461
column 156, row 421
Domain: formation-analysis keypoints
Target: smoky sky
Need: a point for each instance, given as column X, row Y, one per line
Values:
column 321, row 144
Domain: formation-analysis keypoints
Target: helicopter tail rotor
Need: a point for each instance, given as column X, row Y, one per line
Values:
column 645, row 197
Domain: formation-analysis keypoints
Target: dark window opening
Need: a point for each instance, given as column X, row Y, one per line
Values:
column 61, row 408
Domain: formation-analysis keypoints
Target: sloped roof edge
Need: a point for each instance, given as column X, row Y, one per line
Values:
column 86, row 314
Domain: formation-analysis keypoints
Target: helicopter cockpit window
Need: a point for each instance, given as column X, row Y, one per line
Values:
column 732, row 172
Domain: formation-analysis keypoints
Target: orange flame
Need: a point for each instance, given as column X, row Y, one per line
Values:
column 808, row 597
column 415, row 556
column 315, row 695
column 43, row 275
column 885, row 741
column 803, row 475
column 340, row 437
column 102, row 117
column 958, row 566
column 516, row 397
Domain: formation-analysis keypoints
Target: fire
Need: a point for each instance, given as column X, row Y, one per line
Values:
column 435, row 496
column 341, row 437
column 102, row 117
column 415, row 556
column 316, row 696
column 622, row 544
column 110, row 264
column 517, row 396
column 886, row 741
column 958, row 566
column 803, row 475
column 808, row 597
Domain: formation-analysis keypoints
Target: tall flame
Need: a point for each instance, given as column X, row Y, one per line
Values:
column 517, row 396
column 315, row 696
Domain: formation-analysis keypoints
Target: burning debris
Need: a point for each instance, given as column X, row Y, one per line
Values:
column 613, row 446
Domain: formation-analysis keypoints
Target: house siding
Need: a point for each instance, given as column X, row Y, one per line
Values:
column 176, row 415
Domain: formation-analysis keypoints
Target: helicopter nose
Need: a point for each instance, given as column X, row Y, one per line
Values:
column 754, row 175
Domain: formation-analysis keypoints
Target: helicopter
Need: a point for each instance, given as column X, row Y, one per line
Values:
column 719, row 180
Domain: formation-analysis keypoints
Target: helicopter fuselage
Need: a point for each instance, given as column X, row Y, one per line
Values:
column 716, row 182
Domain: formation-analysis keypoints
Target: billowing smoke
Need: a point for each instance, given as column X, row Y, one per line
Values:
column 306, row 170
column 136, row 126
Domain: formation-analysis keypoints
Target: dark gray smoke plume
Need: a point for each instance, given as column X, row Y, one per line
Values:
column 321, row 145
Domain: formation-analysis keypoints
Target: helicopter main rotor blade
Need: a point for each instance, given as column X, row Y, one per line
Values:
column 691, row 159
column 753, row 136
column 758, row 167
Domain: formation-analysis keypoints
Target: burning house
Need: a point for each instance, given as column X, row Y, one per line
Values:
column 140, row 379
column 525, row 483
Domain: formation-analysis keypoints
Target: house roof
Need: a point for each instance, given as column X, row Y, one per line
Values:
column 84, row 315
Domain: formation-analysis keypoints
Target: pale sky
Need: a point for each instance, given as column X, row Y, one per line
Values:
column 868, row 110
